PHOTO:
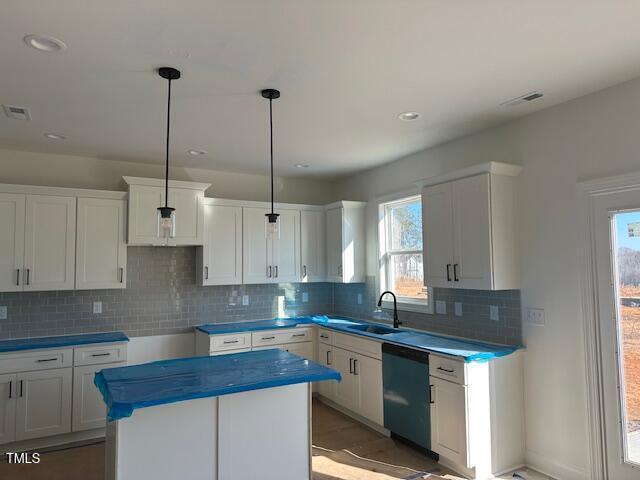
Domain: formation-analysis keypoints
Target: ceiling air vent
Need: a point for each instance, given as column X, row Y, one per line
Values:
column 17, row 113
column 529, row 97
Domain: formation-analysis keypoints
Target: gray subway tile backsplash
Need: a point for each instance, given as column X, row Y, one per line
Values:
column 162, row 297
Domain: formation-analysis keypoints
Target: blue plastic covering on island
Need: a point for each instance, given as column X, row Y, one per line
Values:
column 61, row 341
column 125, row 389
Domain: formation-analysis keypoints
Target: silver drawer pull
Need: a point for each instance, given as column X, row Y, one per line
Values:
column 100, row 354
column 299, row 335
column 41, row 360
column 445, row 370
column 227, row 342
column 324, row 336
column 268, row 338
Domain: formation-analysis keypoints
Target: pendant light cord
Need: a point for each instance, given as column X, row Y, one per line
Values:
column 166, row 174
column 271, row 134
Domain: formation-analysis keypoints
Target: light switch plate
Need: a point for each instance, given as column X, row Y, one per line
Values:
column 535, row 316
column 441, row 307
column 245, row 300
column 3, row 313
column 494, row 313
column 359, row 299
column 97, row 307
column 458, row 308
column 305, row 297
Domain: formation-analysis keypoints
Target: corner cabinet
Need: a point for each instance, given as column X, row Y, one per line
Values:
column 147, row 194
column 470, row 232
column 345, row 243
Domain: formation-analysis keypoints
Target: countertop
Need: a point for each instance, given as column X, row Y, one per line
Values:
column 468, row 350
column 125, row 389
column 61, row 341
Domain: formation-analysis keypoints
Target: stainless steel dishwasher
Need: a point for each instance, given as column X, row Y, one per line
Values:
column 405, row 377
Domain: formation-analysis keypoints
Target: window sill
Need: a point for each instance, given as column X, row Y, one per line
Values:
column 408, row 306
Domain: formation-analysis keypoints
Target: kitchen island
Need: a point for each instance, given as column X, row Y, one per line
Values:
column 238, row 416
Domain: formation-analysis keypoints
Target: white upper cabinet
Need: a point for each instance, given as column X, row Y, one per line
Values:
column 470, row 233
column 345, row 245
column 147, row 194
column 50, row 243
column 270, row 260
column 12, row 217
column 220, row 258
column 313, row 251
column 101, row 248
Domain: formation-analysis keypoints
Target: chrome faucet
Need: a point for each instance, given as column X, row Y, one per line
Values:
column 396, row 322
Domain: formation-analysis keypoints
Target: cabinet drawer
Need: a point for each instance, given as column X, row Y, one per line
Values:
column 36, row 360
column 371, row 348
column 97, row 354
column 237, row 341
column 277, row 337
column 325, row 336
column 447, row 368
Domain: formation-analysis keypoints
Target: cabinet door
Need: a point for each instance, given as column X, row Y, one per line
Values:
column 50, row 243
column 346, row 391
column 334, row 245
column 437, row 227
column 101, row 256
column 254, row 246
column 325, row 357
column 285, row 251
column 7, row 408
column 449, row 434
column 144, row 224
column 12, row 219
column 89, row 409
column 188, row 216
column 313, row 238
column 369, row 374
column 44, row 403
column 472, row 233
column 222, row 250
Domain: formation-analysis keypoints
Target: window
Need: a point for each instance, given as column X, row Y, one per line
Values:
column 401, row 268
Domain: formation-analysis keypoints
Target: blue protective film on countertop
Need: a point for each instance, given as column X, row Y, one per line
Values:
column 61, row 341
column 219, row 328
column 125, row 389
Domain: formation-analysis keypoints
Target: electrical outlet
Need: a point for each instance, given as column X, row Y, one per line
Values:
column 458, row 309
column 535, row 316
column 359, row 299
column 245, row 300
column 97, row 307
column 494, row 313
column 305, row 297
column 3, row 313
column 441, row 307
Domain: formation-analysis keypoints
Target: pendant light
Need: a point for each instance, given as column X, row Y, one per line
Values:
column 272, row 218
column 167, row 214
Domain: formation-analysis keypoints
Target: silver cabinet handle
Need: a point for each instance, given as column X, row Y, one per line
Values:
column 206, row 273
column 299, row 335
column 43, row 360
column 322, row 335
column 100, row 354
column 269, row 271
column 328, row 360
column 304, row 271
column 121, row 274
column 227, row 342
column 21, row 387
column 268, row 338
column 275, row 269
column 28, row 277
column 448, row 272
column 158, row 233
column 455, row 273
column 355, row 365
column 351, row 365
column 445, row 370
column 10, row 388
column 18, row 277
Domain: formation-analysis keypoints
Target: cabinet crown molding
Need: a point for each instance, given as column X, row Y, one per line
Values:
column 496, row 168
column 159, row 182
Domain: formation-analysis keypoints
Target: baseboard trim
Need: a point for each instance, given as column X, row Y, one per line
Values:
column 553, row 468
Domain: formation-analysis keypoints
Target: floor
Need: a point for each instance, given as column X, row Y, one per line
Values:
column 343, row 449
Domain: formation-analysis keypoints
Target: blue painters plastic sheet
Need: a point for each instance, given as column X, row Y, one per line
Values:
column 125, row 389
column 219, row 328
column 61, row 341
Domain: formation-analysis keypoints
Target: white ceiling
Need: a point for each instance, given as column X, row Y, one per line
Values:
column 346, row 68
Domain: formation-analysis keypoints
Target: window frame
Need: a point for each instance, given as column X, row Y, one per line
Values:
column 384, row 255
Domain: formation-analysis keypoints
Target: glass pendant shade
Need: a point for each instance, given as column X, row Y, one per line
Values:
column 273, row 225
column 167, row 221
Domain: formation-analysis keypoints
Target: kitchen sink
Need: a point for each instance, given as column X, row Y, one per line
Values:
column 376, row 329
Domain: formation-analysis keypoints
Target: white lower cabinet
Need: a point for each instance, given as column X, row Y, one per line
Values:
column 346, row 393
column 369, row 373
column 7, row 408
column 44, row 403
column 89, row 410
column 449, row 420
column 325, row 357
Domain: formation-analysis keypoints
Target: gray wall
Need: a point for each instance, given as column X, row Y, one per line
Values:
column 162, row 298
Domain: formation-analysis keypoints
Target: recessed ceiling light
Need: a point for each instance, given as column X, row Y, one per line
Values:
column 55, row 136
column 45, row 44
column 302, row 165
column 197, row 153
column 409, row 116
